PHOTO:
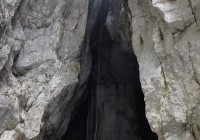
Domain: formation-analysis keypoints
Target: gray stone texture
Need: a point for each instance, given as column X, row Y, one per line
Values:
column 40, row 47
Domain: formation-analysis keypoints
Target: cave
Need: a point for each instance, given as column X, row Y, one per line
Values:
column 114, row 108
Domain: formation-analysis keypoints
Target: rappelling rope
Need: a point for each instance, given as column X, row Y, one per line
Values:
column 99, row 78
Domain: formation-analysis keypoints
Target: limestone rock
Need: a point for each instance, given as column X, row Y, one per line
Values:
column 45, row 61
column 168, row 57
column 34, row 78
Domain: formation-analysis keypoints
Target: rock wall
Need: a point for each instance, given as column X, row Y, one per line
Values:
column 45, row 61
column 166, row 42
column 39, row 61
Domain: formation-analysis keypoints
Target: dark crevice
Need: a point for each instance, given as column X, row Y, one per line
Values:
column 115, row 107
column 121, row 107
column 77, row 128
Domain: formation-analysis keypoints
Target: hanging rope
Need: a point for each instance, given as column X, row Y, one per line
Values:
column 99, row 77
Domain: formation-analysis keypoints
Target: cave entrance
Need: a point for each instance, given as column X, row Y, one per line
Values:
column 115, row 107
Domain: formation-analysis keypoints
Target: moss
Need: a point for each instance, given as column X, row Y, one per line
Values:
column 77, row 67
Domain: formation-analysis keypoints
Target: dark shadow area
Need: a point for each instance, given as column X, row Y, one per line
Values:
column 117, row 93
column 77, row 129
column 115, row 107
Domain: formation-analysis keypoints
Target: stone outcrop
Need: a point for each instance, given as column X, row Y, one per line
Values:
column 40, row 47
column 165, row 41
column 46, row 61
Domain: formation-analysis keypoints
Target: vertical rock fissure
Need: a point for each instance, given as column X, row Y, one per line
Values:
column 114, row 108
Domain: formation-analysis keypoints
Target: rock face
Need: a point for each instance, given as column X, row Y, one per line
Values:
column 39, row 61
column 49, row 59
column 165, row 41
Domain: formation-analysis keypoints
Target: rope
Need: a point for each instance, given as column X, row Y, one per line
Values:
column 99, row 77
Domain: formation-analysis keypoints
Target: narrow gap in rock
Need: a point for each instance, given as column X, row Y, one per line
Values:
column 118, row 96
column 115, row 107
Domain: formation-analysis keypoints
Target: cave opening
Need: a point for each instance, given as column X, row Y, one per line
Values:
column 114, row 108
